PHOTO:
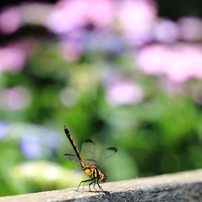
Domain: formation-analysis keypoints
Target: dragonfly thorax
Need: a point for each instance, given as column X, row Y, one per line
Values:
column 93, row 172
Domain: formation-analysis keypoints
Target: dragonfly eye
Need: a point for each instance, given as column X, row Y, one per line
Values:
column 104, row 177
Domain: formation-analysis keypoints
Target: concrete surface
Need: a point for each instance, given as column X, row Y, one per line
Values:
column 184, row 186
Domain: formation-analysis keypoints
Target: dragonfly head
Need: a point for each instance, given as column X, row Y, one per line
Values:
column 103, row 177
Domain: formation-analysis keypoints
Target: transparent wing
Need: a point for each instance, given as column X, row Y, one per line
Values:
column 88, row 152
column 72, row 158
column 105, row 154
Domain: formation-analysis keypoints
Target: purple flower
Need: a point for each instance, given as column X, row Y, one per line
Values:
column 166, row 31
column 190, row 28
column 30, row 147
column 10, row 20
column 3, row 130
column 51, row 140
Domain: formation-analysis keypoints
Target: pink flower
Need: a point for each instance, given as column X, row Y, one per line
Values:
column 123, row 92
column 76, row 13
column 16, row 98
column 137, row 18
column 12, row 58
column 184, row 60
column 152, row 59
column 179, row 62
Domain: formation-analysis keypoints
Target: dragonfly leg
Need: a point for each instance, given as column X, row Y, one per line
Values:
column 92, row 183
column 99, row 185
column 84, row 181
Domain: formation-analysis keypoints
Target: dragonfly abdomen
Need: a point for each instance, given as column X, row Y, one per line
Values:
column 73, row 144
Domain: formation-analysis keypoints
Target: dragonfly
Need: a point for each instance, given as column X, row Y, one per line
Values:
column 89, row 165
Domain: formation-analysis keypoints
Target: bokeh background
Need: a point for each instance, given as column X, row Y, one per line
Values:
column 125, row 73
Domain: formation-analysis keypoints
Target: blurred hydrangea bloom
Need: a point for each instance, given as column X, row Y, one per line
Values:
column 30, row 146
column 68, row 15
column 35, row 141
column 16, row 98
column 179, row 62
column 46, row 136
column 3, row 129
column 152, row 59
column 190, row 28
column 137, row 18
column 166, row 31
column 10, row 20
column 123, row 92
column 12, row 57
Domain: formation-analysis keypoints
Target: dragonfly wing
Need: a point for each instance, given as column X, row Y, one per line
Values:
column 105, row 154
column 90, row 162
column 88, row 151
column 72, row 158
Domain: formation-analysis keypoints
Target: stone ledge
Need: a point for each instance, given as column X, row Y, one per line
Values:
column 184, row 186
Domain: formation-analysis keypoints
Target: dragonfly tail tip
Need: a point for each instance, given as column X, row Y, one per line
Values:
column 66, row 130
